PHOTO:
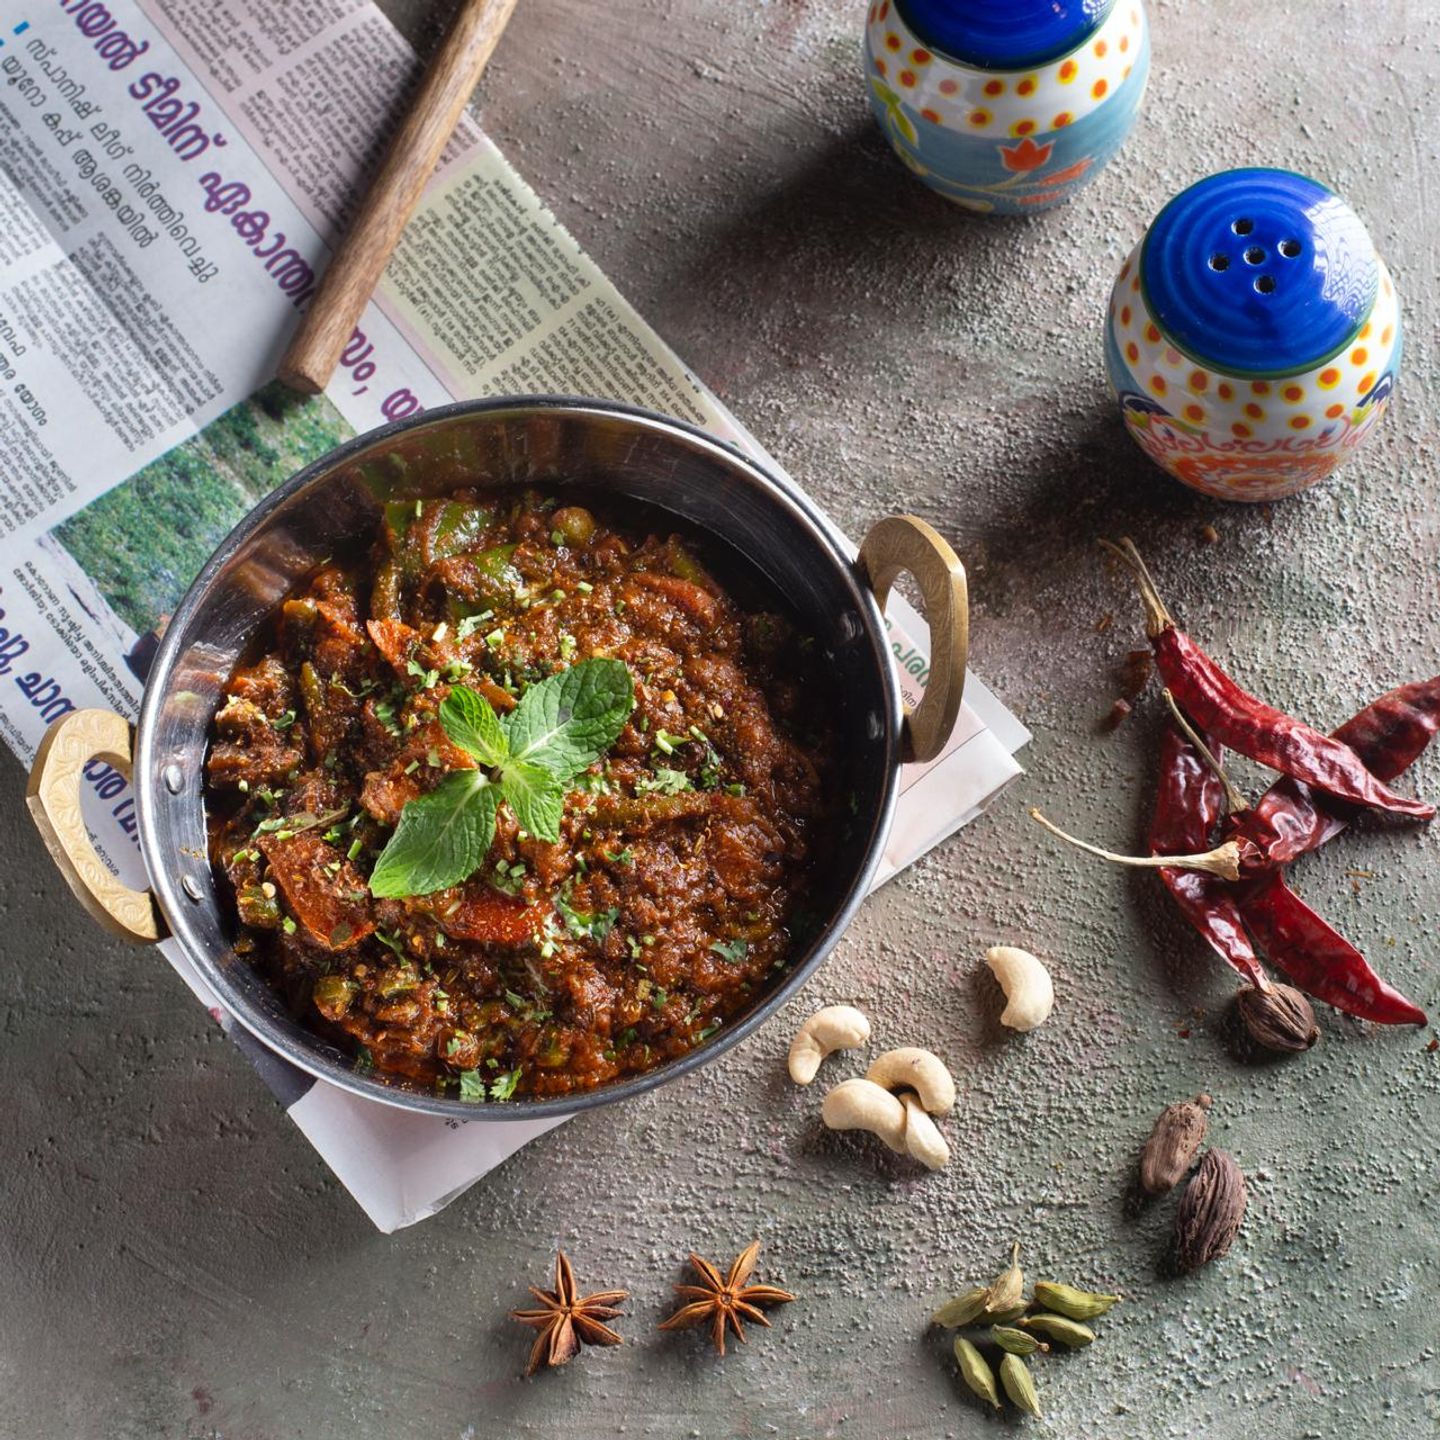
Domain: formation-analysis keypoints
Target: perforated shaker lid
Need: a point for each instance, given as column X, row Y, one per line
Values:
column 1259, row 272
column 1003, row 34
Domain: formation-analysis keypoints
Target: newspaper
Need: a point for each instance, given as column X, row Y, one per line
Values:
column 172, row 174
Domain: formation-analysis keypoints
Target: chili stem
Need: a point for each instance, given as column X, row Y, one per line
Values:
column 1234, row 800
column 1223, row 861
column 1157, row 617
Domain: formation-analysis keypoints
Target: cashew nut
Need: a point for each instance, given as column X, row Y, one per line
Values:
column 1026, row 982
column 910, row 1068
column 922, row 1139
column 836, row 1027
column 863, row 1105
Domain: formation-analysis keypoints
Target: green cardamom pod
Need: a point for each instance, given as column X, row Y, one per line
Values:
column 1057, row 1327
column 1015, row 1342
column 1019, row 1384
column 1005, row 1316
column 1071, row 1303
column 961, row 1310
column 1008, row 1288
column 976, row 1372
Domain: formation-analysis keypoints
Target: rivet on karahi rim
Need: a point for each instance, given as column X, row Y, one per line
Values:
column 191, row 886
column 174, row 778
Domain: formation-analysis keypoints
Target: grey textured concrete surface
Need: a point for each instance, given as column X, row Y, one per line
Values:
column 176, row 1260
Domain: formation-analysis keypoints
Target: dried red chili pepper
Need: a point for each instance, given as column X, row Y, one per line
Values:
column 1291, row 819
column 1220, row 708
column 1231, row 912
column 1317, row 958
column 1188, row 805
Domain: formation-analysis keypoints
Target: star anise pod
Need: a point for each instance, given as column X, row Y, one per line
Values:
column 564, row 1318
column 722, row 1302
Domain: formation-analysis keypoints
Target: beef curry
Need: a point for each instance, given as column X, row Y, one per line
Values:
column 668, row 894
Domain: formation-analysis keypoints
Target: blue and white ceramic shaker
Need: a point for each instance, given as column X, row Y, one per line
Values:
column 1006, row 105
column 1253, row 336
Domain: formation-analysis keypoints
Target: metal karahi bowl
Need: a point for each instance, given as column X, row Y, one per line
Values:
column 762, row 524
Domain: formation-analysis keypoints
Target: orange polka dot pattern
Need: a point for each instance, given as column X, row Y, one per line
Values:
column 1246, row 439
column 1011, row 104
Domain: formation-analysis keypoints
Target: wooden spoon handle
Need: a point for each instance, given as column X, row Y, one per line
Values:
column 357, row 266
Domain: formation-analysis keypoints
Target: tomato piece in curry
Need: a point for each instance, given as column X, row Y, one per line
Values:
column 675, row 893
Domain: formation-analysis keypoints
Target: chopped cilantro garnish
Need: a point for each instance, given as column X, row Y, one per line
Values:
column 503, row 1086
column 385, row 714
column 508, row 878
column 472, row 1086
column 667, row 742
column 664, row 782
column 583, row 924
column 549, row 937
column 732, row 950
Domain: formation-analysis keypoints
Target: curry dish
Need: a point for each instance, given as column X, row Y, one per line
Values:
column 391, row 689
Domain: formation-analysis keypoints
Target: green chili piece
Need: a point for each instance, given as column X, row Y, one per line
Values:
column 333, row 995
column 574, row 524
column 459, row 528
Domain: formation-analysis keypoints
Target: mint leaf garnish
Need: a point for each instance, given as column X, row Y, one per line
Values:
column 471, row 723
column 569, row 720
column 441, row 839
column 562, row 725
column 536, row 796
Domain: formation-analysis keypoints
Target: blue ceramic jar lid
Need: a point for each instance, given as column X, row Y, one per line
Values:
column 1259, row 272
column 1003, row 34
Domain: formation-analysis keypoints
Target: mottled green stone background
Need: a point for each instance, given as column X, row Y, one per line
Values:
column 176, row 1262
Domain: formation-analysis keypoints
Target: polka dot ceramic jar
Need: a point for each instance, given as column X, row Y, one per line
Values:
column 1253, row 335
column 1006, row 105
